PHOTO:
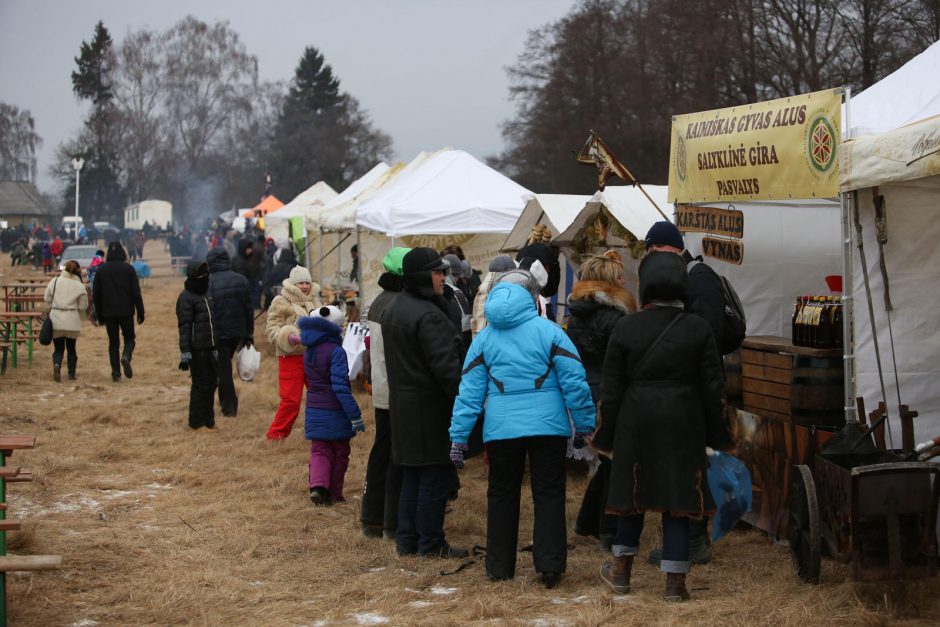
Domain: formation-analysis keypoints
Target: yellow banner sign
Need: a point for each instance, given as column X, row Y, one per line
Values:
column 730, row 250
column 692, row 219
column 779, row 149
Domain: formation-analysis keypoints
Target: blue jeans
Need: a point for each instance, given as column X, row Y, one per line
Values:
column 424, row 494
column 675, row 540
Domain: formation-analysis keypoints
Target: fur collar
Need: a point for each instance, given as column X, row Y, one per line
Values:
column 603, row 294
column 294, row 296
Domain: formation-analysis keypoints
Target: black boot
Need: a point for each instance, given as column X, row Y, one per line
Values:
column 126, row 364
column 57, row 371
column 72, row 363
column 675, row 587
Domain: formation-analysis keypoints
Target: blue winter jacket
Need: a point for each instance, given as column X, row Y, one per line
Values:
column 330, row 403
column 527, row 372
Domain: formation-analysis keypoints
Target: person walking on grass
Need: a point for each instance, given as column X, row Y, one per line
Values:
column 197, row 344
column 116, row 295
column 661, row 405
column 68, row 300
column 527, row 373
column 332, row 415
column 233, row 316
column 299, row 295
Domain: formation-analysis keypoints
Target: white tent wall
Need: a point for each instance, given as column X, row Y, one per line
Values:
column 912, row 259
column 789, row 247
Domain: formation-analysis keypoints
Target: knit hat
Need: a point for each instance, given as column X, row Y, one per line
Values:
column 393, row 259
column 502, row 263
column 455, row 270
column 664, row 233
column 331, row 313
column 299, row 274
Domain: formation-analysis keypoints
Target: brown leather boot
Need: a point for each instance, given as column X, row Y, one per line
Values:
column 675, row 587
column 617, row 573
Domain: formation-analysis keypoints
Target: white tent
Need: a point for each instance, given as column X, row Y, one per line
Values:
column 903, row 166
column 627, row 204
column 449, row 193
column 907, row 95
column 556, row 211
column 334, row 214
column 317, row 195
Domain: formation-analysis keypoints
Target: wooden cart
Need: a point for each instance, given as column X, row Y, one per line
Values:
column 868, row 509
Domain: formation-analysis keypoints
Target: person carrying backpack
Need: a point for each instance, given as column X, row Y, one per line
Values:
column 712, row 298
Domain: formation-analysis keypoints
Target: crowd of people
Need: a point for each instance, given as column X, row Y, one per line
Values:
column 459, row 366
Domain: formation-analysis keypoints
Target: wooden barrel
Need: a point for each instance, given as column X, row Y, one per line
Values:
column 734, row 384
column 817, row 391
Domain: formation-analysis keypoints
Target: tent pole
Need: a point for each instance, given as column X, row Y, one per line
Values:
column 320, row 246
column 847, row 206
column 358, row 265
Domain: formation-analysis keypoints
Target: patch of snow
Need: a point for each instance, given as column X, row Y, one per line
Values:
column 370, row 618
column 622, row 598
column 85, row 622
column 320, row 623
column 116, row 494
column 566, row 601
column 550, row 622
column 158, row 486
column 377, row 570
column 442, row 590
column 420, row 604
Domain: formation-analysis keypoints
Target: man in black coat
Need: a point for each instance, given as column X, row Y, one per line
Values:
column 233, row 317
column 197, row 344
column 116, row 295
column 422, row 352
column 248, row 264
column 286, row 262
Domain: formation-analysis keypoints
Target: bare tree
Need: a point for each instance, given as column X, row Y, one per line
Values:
column 18, row 143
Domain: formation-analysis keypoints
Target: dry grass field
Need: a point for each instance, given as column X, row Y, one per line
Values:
column 159, row 525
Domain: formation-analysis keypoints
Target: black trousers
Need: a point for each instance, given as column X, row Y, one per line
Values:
column 203, row 381
column 60, row 345
column 592, row 519
column 117, row 327
column 547, row 473
column 382, row 487
column 227, row 397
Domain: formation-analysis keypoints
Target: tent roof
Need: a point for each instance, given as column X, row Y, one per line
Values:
column 450, row 192
column 627, row 204
column 909, row 94
column 340, row 212
column 556, row 211
column 269, row 204
column 316, row 195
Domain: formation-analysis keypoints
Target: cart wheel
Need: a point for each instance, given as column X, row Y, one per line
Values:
column 805, row 537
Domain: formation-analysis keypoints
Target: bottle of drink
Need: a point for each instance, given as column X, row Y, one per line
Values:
column 797, row 309
column 813, row 324
column 824, row 324
column 837, row 323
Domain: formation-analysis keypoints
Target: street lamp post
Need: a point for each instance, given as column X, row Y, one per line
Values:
column 77, row 163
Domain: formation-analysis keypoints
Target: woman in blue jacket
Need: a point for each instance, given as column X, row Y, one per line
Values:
column 528, row 373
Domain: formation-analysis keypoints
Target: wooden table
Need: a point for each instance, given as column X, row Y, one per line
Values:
column 24, row 294
column 17, row 327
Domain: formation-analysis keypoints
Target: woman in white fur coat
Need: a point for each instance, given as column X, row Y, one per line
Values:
column 299, row 294
column 67, row 296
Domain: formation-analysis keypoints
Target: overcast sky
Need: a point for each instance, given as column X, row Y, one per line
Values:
column 430, row 72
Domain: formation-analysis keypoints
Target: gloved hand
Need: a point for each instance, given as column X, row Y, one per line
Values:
column 140, row 318
column 457, row 451
column 580, row 439
column 185, row 358
column 293, row 339
column 358, row 425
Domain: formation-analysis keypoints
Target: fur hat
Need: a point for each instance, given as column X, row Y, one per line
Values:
column 331, row 313
column 299, row 274
column 664, row 233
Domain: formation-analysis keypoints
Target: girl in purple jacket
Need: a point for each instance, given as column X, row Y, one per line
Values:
column 332, row 415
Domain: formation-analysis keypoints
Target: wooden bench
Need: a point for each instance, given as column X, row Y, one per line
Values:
column 18, row 327
column 10, row 563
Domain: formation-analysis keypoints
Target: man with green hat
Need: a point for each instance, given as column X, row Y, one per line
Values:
column 383, row 479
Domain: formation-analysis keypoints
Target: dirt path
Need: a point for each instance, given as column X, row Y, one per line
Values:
column 159, row 525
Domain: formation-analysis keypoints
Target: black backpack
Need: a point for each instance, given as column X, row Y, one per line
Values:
column 735, row 322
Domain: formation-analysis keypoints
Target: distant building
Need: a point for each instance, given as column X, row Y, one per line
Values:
column 156, row 212
column 20, row 203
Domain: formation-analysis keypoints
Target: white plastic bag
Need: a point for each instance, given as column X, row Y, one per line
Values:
column 248, row 361
column 354, row 343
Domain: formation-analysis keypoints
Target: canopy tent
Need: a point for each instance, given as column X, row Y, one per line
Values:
column 903, row 167
column 632, row 209
column 907, row 95
column 451, row 192
column 556, row 211
column 277, row 223
column 339, row 213
column 266, row 206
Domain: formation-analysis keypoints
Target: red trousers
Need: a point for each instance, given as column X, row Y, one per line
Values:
column 290, row 375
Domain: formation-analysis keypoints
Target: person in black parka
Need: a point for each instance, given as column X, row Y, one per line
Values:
column 116, row 295
column 233, row 316
column 286, row 262
column 197, row 344
column 661, row 406
column 248, row 263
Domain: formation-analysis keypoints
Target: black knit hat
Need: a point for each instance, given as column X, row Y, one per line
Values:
column 422, row 260
column 664, row 233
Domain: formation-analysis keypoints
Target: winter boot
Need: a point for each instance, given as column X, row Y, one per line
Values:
column 126, row 365
column 57, row 371
column 72, row 363
column 675, row 587
column 319, row 496
column 617, row 573
column 700, row 552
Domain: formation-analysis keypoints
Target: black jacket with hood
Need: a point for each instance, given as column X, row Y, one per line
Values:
column 193, row 310
column 230, row 295
column 658, row 418
column 116, row 290
column 286, row 262
column 248, row 267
